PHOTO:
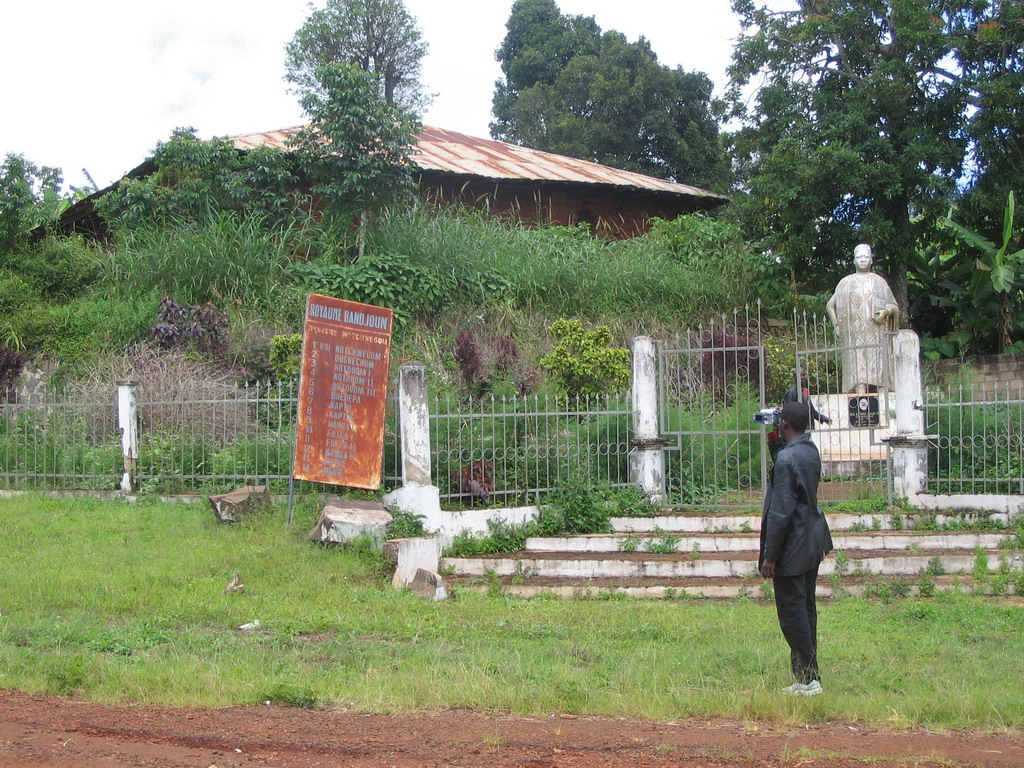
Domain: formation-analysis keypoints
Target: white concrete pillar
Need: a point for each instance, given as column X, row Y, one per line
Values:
column 127, row 422
column 909, row 444
column 647, row 462
column 417, row 494
column 414, row 420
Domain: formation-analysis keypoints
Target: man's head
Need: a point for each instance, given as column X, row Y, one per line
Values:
column 862, row 257
column 794, row 418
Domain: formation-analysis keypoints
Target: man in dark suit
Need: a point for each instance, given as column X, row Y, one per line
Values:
column 794, row 540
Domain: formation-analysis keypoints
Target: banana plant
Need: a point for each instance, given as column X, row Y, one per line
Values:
column 997, row 271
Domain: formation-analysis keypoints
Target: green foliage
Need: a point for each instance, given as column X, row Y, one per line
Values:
column 228, row 258
column 570, row 89
column 483, row 261
column 29, row 196
column 979, row 445
column 384, row 279
column 287, row 695
column 576, row 507
column 500, row 537
column 56, row 268
column 583, row 362
column 404, row 525
column 356, row 148
column 200, row 180
column 863, row 120
column 989, row 285
column 377, row 35
column 77, row 332
column 15, row 293
column 286, row 356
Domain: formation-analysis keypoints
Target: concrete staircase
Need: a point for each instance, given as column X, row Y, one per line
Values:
column 715, row 556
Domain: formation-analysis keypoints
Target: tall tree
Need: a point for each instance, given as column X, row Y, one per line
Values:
column 862, row 121
column 356, row 148
column 571, row 89
column 379, row 36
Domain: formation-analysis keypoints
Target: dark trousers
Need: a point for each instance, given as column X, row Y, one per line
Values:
column 798, row 618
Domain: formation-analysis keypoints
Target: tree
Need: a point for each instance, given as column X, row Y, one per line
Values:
column 863, row 122
column 197, row 179
column 994, row 275
column 379, row 36
column 29, row 196
column 571, row 89
column 356, row 148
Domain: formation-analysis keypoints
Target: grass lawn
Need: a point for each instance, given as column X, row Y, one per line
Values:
column 119, row 602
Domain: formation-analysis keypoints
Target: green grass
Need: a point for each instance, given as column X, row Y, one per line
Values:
column 115, row 602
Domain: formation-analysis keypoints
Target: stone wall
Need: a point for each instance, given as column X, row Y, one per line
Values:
column 986, row 374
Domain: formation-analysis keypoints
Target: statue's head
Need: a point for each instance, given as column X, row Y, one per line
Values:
column 862, row 257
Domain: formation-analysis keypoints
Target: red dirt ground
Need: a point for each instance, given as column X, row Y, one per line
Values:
column 65, row 733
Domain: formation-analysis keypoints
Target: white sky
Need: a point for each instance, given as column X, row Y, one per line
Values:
column 96, row 85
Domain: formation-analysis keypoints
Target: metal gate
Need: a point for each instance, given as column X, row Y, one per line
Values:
column 711, row 382
column 855, row 452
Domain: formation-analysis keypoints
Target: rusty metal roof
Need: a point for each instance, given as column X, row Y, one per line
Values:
column 446, row 151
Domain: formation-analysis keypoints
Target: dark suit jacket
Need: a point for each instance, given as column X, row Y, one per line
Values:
column 794, row 532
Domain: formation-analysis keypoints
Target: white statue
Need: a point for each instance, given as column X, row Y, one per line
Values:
column 862, row 310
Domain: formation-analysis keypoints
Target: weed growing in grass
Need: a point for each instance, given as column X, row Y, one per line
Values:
column 935, row 567
column 404, row 525
column 980, row 571
column 925, row 584
column 842, row 563
column 665, row 545
column 630, row 543
column 288, row 695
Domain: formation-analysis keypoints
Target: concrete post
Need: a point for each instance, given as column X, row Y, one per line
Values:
column 909, row 444
column 647, row 462
column 417, row 494
column 127, row 422
column 414, row 418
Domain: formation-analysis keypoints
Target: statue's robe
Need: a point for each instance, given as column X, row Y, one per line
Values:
column 866, row 347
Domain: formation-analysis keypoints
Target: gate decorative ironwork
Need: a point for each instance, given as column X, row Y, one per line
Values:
column 711, row 383
column 855, row 455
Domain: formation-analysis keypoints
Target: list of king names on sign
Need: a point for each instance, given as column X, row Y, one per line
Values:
column 346, row 349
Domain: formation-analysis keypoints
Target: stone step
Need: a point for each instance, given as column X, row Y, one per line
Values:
column 722, row 588
column 750, row 522
column 596, row 565
column 750, row 542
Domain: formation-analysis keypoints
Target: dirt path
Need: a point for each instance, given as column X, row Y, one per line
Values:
column 65, row 733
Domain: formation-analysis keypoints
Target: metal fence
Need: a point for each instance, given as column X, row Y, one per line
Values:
column 512, row 449
column 220, row 439
column 854, row 454
column 52, row 443
column 711, row 382
column 979, row 443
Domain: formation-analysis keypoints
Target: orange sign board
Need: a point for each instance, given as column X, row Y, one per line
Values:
column 346, row 349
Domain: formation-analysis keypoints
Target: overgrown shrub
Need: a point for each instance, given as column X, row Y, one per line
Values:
column 286, row 356
column 578, row 506
column 81, row 330
column 11, row 364
column 582, row 361
column 383, row 279
column 492, row 364
column 229, row 259
column 204, row 327
column 57, row 268
column 15, row 293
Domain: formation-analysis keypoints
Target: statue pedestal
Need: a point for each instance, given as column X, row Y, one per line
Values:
column 853, row 447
